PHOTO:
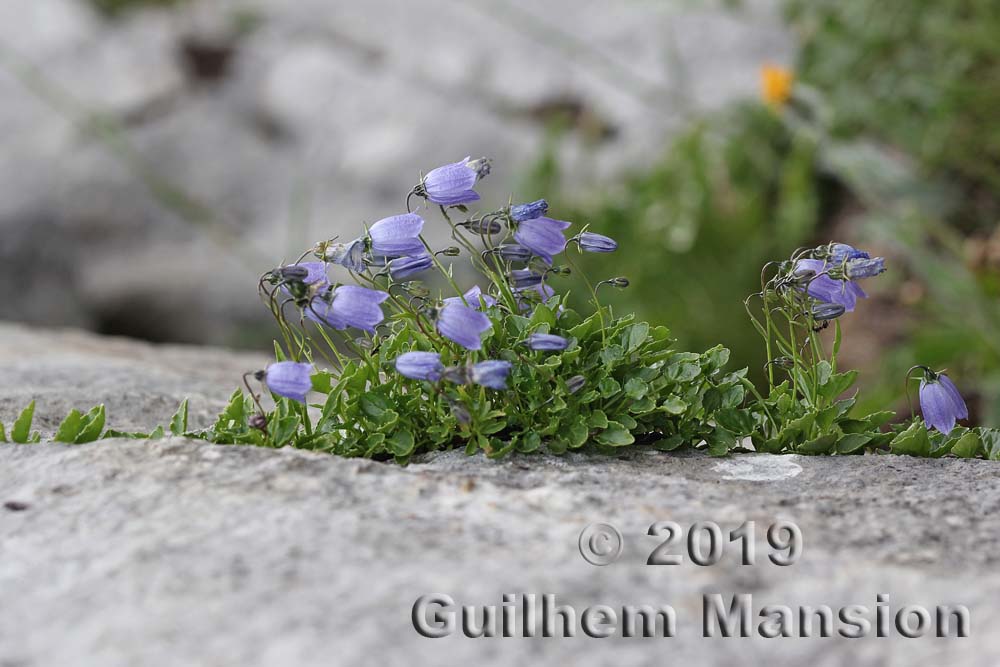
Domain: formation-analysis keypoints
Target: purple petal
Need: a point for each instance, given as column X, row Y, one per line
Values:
column 398, row 236
column 491, row 374
column 474, row 297
column 404, row 267
column 463, row 325
column 420, row 365
column 539, row 341
column 357, row 307
column 961, row 409
column 591, row 242
column 543, row 236
column 289, row 379
column 529, row 211
column 451, row 183
column 937, row 406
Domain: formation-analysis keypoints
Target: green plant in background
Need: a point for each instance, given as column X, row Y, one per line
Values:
column 732, row 191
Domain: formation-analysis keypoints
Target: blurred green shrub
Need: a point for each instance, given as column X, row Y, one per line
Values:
column 118, row 7
column 921, row 75
column 731, row 193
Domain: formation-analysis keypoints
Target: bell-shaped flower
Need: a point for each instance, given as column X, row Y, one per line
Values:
column 491, row 374
column 855, row 269
column 522, row 278
column 542, row 236
column 463, row 325
column 349, row 306
column 420, row 365
column 474, row 297
column 404, row 267
column 940, row 402
column 452, row 184
column 822, row 287
column 350, row 255
column 838, row 253
column 591, row 242
column 397, row 236
column 289, row 379
column 548, row 342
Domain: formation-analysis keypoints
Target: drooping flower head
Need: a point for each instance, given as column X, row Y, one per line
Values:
column 820, row 286
column 420, row 366
column 452, row 184
column 529, row 211
column 404, row 267
column 301, row 281
column 474, row 297
column 491, row 374
column 838, row 253
column 542, row 236
column 349, row 255
column 940, row 402
column 591, row 242
column 397, row 236
column 548, row 342
column 348, row 306
column 289, row 379
column 463, row 325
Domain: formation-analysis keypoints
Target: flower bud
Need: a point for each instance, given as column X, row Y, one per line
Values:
column 822, row 312
column 575, row 383
column 258, row 421
column 450, row 251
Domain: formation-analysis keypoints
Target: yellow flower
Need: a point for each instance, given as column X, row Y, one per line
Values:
column 776, row 84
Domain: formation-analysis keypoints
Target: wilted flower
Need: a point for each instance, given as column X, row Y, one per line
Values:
column 397, row 236
column 521, row 278
column 540, row 341
column 838, row 253
column 940, row 402
column 420, row 365
column 463, row 325
column 529, row 211
column 474, row 297
column 542, row 236
column 864, row 268
column 289, row 379
column 491, row 374
column 404, row 267
column 348, row 306
column 827, row 311
column 513, row 252
column 350, row 255
column 452, row 184
column 823, row 288
column 591, row 242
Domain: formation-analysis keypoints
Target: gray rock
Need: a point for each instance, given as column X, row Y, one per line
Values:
column 178, row 552
column 316, row 120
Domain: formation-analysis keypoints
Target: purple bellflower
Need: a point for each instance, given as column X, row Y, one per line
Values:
column 523, row 278
column 491, row 374
column 822, row 312
column 404, row 267
column 397, row 236
column 420, row 366
column 838, row 253
column 591, row 242
column 824, row 288
column 463, row 325
column 349, row 306
column 452, row 184
column 289, row 379
column 864, row 268
column 940, row 402
column 512, row 252
column 474, row 297
column 542, row 236
column 540, row 341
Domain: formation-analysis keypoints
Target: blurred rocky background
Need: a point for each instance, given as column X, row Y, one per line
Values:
column 158, row 155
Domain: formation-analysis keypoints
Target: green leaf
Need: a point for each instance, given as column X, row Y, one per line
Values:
column 635, row 388
column 991, row 442
column 913, row 441
column 635, row 335
column 157, row 433
column 322, row 382
column 674, row 405
column 93, row 425
column 598, row 419
column 852, row 442
column 968, row 446
column 821, row 445
column 615, row 435
column 179, row 422
column 739, row 422
column 671, row 443
column 3, row 433
column 720, row 441
column 837, row 384
column 577, row 434
column 70, row 427
column 21, row 430
column 400, row 443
